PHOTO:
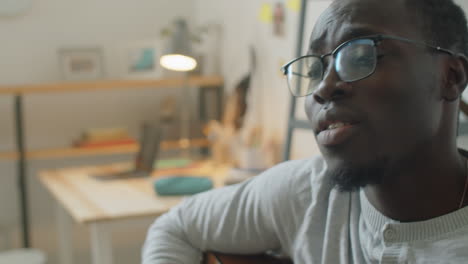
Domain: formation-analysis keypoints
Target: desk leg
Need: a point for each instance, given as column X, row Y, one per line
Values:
column 101, row 243
column 65, row 227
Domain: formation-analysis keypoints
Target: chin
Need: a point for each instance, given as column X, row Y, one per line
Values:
column 351, row 176
column 354, row 153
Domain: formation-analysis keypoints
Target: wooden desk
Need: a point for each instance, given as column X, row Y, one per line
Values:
column 22, row 154
column 97, row 203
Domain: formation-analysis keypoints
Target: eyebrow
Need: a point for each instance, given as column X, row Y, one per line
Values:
column 351, row 33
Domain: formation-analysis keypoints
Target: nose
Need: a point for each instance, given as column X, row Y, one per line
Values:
column 331, row 88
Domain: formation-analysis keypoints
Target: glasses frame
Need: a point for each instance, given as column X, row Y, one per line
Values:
column 376, row 39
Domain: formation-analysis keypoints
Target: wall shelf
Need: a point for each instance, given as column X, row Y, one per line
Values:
column 22, row 154
column 197, row 81
column 71, row 152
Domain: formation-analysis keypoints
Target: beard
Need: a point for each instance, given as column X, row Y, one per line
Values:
column 352, row 178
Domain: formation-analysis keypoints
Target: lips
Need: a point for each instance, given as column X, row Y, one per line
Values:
column 336, row 128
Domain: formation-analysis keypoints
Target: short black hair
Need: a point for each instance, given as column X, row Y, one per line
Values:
column 444, row 23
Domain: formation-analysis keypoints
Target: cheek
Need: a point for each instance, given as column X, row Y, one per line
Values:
column 310, row 107
column 403, row 109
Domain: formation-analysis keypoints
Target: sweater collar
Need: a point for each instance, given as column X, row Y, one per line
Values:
column 421, row 230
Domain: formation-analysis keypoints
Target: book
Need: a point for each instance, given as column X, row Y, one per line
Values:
column 105, row 143
column 103, row 134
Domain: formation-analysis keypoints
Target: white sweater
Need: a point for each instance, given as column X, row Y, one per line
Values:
column 291, row 208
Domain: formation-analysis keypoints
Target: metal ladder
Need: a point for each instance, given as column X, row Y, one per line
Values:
column 293, row 122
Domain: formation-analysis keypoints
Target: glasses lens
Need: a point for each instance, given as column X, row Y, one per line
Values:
column 304, row 75
column 356, row 60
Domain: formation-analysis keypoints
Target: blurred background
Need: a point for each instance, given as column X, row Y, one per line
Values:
column 238, row 45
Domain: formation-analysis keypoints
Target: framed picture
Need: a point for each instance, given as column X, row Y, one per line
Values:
column 141, row 60
column 81, row 64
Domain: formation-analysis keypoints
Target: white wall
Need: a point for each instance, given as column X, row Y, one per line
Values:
column 270, row 95
column 241, row 29
column 463, row 4
column 30, row 41
column 28, row 54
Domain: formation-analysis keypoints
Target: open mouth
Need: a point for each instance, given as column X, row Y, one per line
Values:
column 336, row 132
column 337, row 125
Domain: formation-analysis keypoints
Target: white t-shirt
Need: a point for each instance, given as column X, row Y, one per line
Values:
column 293, row 209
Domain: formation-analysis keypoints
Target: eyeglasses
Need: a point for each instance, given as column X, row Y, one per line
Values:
column 354, row 60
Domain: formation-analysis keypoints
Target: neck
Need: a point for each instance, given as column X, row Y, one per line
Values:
column 423, row 186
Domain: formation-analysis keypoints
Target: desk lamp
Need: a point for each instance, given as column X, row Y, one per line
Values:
column 178, row 57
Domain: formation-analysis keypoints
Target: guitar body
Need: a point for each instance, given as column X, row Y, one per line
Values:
column 215, row 258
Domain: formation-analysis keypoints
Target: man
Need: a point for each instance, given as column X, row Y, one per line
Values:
column 384, row 79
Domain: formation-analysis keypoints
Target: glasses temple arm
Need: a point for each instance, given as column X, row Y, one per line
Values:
column 422, row 44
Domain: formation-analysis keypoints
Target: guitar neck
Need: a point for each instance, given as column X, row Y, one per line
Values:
column 215, row 258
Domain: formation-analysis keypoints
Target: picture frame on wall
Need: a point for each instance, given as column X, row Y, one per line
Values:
column 81, row 63
column 140, row 60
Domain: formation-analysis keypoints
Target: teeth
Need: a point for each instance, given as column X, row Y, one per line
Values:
column 337, row 125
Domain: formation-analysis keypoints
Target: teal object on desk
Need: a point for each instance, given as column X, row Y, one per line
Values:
column 182, row 185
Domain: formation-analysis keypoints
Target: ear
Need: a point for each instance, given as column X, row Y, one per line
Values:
column 456, row 77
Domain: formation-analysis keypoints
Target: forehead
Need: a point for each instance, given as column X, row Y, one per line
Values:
column 347, row 19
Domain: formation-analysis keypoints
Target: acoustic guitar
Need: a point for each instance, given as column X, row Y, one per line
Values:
column 215, row 258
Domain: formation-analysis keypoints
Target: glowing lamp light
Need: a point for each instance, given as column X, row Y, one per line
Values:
column 179, row 56
column 178, row 62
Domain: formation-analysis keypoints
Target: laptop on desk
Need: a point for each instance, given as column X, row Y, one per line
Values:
column 150, row 142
